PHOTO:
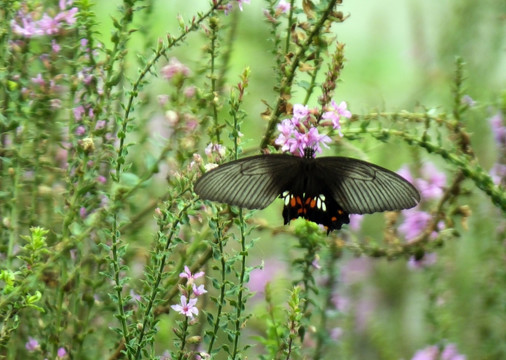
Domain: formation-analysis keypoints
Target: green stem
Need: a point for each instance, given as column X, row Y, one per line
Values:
column 156, row 285
column 221, row 300
column 240, row 304
column 183, row 339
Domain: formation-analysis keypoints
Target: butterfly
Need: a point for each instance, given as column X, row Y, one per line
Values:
column 323, row 190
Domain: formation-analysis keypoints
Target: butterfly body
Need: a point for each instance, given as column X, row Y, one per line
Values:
column 323, row 190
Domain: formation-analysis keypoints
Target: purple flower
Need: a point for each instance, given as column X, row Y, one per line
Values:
column 498, row 173
column 433, row 353
column 191, row 277
column 100, row 125
column 414, row 223
column 334, row 114
column 81, row 130
column 312, row 139
column 55, row 46
column 197, row 291
column 429, row 353
column 78, row 112
column 186, row 308
column 215, row 148
column 432, row 183
column 355, row 221
column 61, row 352
column 38, row 80
column 32, row 344
column 300, row 114
column 49, row 25
column 498, row 128
column 450, row 353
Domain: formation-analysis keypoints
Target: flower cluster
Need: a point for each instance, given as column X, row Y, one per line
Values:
column 300, row 131
column 26, row 26
column 187, row 305
column 434, row 353
column 431, row 185
column 498, row 171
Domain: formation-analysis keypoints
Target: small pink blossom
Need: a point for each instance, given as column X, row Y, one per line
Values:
column 38, row 80
column 197, row 291
column 78, row 112
column 186, row 308
column 283, row 6
column 61, row 352
column 188, row 275
column 32, row 344
column 174, row 68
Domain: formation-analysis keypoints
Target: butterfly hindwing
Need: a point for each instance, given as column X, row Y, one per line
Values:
column 360, row 187
column 253, row 182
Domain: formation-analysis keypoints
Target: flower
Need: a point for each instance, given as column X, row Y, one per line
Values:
column 215, row 148
column 61, row 352
column 32, row 344
column 498, row 128
column 334, row 114
column 295, row 140
column 175, row 68
column 414, row 223
column 191, row 277
column 433, row 353
column 432, row 183
column 186, row 308
column 450, row 353
column 429, row 353
column 283, row 6
column 197, row 291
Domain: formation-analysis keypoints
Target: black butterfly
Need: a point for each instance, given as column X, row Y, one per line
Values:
column 324, row 190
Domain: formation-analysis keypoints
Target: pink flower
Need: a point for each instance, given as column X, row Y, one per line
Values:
column 191, row 277
column 283, row 6
column 78, row 112
column 49, row 25
column 186, row 308
column 414, row 223
column 32, row 344
column 61, row 352
column 429, row 353
column 334, row 114
column 197, row 291
column 174, row 68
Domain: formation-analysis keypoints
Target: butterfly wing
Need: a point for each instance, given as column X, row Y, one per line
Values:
column 253, row 182
column 363, row 188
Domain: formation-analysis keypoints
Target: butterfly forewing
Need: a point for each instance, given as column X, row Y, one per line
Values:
column 363, row 188
column 253, row 182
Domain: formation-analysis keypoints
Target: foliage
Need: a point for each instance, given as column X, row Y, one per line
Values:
column 102, row 238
